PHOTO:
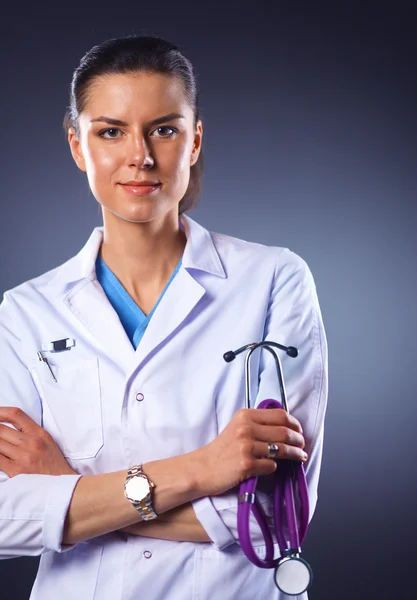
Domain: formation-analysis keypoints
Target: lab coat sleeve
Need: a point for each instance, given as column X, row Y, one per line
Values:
column 293, row 319
column 32, row 507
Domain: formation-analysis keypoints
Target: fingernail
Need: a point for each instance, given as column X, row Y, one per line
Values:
column 305, row 456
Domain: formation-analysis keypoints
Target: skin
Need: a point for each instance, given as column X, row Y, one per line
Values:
column 142, row 240
column 142, row 245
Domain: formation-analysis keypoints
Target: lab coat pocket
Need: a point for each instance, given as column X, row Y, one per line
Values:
column 72, row 406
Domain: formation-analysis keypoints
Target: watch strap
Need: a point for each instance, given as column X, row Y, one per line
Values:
column 144, row 507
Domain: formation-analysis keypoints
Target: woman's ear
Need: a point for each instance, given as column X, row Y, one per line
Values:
column 75, row 147
column 198, row 138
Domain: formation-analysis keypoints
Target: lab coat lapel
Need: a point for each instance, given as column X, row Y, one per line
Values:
column 174, row 310
column 90, row 305
column 75, row 283
column 179, row 303
column 82, row 294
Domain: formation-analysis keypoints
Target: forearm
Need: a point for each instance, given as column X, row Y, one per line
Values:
column 179, row 524
column 99, row 506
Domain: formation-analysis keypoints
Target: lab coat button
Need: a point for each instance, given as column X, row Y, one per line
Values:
column 147, row 554
column 140, row 397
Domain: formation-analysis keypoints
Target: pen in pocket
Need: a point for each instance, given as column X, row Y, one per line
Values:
column 45, row 360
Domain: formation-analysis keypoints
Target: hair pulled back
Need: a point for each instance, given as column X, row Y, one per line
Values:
column 132, row 54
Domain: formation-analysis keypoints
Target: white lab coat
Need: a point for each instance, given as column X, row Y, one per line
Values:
column 114, row 407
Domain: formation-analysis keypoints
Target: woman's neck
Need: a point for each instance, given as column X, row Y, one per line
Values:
column 142, row 256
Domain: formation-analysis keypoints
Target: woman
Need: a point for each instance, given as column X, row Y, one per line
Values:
column 123, row 440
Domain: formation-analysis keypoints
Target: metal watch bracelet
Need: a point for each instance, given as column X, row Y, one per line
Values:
column 144, row 506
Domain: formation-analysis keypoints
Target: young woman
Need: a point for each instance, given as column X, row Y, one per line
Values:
column 123, row 437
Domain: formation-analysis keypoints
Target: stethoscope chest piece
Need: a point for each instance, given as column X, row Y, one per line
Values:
column 293, row 575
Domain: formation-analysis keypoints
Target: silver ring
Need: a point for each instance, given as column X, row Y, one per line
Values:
column 273, row 450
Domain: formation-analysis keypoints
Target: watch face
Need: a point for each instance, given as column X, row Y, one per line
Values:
column 137, row 488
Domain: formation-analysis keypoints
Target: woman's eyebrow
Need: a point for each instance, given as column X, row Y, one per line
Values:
column 169, row 117
column 110, row 121
column 157, row 121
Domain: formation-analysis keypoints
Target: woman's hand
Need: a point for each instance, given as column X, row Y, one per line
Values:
column 240, row 451
column 27, row 447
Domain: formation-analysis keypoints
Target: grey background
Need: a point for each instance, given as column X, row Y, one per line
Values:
column 310, row 143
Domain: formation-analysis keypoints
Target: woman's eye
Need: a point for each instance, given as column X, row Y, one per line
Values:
column 164, row 131
column 112, row 133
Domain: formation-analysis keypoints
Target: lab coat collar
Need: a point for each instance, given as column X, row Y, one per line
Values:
column 86, row 300
column 200, row 254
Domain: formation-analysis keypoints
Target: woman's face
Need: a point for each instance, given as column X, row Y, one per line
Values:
column 137, row 128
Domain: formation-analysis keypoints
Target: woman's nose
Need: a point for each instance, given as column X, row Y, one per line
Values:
column 139, row 153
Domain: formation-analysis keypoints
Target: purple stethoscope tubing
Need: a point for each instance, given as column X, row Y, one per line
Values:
column 289, row 478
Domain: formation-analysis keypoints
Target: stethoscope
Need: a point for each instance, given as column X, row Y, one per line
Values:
column 293, row 574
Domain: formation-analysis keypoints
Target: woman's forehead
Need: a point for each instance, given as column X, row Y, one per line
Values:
column 140, row 93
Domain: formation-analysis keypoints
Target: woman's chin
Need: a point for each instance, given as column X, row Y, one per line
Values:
column 143, row 213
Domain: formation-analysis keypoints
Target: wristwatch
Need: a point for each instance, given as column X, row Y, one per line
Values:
column 138, row 489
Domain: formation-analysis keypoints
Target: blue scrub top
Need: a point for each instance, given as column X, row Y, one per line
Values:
column 131, row 316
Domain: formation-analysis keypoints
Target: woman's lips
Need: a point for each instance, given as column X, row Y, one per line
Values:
column 140, row 190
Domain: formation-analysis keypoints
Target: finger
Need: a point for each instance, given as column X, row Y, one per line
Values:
column 17, row 417
column 7, row 466
column 284, row 435
column 274, row 416
column 286, row 452
column 8, row 450
column 260, row 450
column 12, row 436
column 265, row 466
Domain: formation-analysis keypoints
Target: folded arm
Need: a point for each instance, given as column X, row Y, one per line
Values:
column 179, row 524
column 80, row 508
column 45, row 506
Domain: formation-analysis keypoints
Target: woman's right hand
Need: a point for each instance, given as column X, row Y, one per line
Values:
column 240, row 450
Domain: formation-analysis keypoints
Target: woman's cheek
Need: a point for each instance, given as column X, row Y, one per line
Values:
column 105, row 159
column 100, row 168
column 183, row 163
column 182, row 172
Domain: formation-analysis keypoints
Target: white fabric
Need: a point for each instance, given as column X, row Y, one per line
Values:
column 227, row 293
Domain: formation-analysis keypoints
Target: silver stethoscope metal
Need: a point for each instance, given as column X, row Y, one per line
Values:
column 293, row 574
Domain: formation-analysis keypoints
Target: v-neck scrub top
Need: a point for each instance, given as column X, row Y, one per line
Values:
column 131, row 316
column 118, row 402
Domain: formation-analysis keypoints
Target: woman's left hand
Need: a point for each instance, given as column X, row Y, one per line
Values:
column 28, row 448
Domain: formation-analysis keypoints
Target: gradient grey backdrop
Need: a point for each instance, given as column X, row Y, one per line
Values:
column 310, row 143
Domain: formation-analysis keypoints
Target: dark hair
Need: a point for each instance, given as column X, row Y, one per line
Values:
column 130, row 54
